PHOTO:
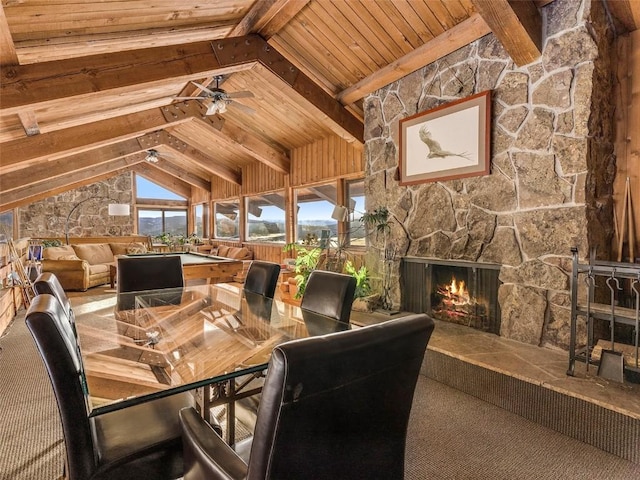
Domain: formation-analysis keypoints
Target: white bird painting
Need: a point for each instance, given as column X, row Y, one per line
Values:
column 435, row 150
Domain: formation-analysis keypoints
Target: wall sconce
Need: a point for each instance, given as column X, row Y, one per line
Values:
column 119, row 209
column 340, row 213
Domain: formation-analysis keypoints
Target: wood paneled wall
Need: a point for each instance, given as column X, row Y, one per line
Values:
column 326, row 159
column 627, row 146
column 222, row 189
column 259, row 178
column 199, row 196
column 11, row 299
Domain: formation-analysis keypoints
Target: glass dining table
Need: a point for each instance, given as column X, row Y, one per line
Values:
column 139, row 346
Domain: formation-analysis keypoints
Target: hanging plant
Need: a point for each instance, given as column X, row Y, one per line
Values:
column 377, row 220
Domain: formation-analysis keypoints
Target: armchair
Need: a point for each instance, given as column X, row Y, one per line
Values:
column 333, row 407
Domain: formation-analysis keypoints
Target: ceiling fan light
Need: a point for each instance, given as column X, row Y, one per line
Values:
column 221, row 105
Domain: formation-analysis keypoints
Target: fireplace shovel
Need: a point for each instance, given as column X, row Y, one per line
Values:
column 612, row 362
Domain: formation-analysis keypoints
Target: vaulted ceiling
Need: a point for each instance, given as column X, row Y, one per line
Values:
column 89, row 86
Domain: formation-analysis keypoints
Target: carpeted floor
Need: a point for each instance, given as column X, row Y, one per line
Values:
column 31, row 447
column 451, row 435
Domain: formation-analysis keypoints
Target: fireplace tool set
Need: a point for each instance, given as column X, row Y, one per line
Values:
column 620, row 358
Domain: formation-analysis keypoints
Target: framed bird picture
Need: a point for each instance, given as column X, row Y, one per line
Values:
column 447, row 142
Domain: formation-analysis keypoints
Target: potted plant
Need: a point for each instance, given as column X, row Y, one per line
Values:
column 364, row 300
column 378, row 221
column 306, row 261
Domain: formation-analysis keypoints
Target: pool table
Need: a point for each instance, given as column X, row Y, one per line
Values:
column 196, row 266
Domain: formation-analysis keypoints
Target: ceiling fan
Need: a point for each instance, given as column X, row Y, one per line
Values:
column 219, row 99
column 154, row 155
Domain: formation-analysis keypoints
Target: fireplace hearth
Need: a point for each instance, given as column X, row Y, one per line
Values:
column 458, row 292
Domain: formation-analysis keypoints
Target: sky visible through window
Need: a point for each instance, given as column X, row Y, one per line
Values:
column 148, row 189
column 313, row 211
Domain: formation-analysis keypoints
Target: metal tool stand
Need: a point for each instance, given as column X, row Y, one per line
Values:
column 580, row 312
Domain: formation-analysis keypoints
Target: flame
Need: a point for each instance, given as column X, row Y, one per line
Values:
column 458, row 292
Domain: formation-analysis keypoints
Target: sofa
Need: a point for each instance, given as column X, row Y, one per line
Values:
column 85, row 265
column 235, row 253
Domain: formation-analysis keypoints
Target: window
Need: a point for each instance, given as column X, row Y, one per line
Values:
column 266, row 218
column 148, row 189
column 227, row 220
column 356, row 233
column 314, row 207
column 200, row 221
column 6, row 225
column 160, row 220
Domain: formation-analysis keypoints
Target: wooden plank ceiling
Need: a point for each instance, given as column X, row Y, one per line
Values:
column 88, row 87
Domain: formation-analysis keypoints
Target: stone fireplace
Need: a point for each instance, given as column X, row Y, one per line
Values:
column 465, row 293
column 552, row 169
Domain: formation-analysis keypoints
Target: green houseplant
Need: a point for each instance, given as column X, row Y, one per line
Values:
column 378, row 221
column 307, row 259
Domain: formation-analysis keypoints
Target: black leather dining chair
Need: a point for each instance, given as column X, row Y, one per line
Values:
column 143, row 273
column 47, row 282
column 333, row 407
column 327, row 300
column 262, row 278
column 142, row 441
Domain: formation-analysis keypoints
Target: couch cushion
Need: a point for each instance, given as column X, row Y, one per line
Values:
column 222, row 250
column 99, row 268
column 128, row 248
column 239, row 253
column 56, row 253
column 94, row 253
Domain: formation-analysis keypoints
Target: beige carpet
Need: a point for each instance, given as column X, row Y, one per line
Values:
column 31, row 445
column 451, row 436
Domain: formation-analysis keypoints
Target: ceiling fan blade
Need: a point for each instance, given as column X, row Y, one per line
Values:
column 187, row 98
column 240, row 95
column 203, row 88
column 242, row 107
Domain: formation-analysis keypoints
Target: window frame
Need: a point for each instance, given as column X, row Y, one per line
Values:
column 247, row 199
column 238, row 202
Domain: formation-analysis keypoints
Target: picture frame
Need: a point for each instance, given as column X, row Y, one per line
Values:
column 448, row 142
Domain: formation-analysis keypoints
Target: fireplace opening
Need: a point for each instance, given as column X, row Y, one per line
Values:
column 456, row 292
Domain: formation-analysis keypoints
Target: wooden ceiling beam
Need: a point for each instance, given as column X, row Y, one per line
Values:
column 626, row 12
column 518, row 26
column 233, row 135
column 8, row 55
column 165, row 138
column 268, row 17
column 62, row 167
column 27, row 151
column 29, row 122
column 76, row 179
column 171, row 167
column 83, row 78
column 237, row 50
column 457, row 37
column 23, row 85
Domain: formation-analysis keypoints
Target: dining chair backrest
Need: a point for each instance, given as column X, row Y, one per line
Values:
column 58, row 348
column 327, row 300
column 333, row 406
column 141, row 441
column 153, row 272
column 143, row 273
column 262, row 278
column 47, row 282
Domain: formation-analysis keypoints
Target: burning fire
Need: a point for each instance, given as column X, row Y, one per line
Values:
column 456, row 292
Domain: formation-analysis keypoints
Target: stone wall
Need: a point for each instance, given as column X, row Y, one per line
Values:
column 46, row 218
column 552, row 167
